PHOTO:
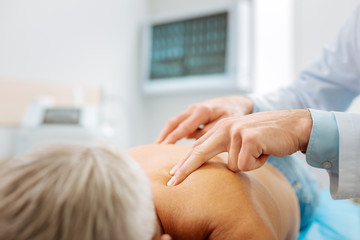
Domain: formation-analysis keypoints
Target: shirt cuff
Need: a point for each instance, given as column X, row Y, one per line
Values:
column 255, row 108
column 256, row 105
column 323, row 146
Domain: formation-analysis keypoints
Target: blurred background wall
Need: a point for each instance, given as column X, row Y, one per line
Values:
column 74, row 42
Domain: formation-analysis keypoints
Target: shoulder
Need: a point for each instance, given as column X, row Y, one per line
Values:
column 252, row 230
column 214, row 202
column 218, row 204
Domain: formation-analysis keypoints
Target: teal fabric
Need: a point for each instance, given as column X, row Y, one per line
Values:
column 334, row 220
column 330, row 84
column 296, row 172
column 323, row 146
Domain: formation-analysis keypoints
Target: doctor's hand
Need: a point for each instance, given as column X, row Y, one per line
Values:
column 198, row 118
column 249, row 141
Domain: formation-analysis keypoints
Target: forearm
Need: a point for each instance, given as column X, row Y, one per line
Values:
column 314, row 89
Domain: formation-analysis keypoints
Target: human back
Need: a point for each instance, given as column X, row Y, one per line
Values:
column 215, row 203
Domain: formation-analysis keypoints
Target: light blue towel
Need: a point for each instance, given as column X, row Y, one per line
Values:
column 334, row 219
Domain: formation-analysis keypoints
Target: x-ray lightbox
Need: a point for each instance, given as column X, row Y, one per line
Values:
column 203, row 50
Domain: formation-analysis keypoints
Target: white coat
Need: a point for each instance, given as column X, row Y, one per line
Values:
column 331, row 84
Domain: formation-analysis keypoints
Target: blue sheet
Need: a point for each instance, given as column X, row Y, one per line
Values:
column 334, row 219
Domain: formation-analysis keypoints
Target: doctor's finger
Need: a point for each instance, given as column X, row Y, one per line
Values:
column 198, row 156
column 201, row 131
column 171, row 125
column 196, row 145
column 180, row 163
column 188, row 154
column 234, row 150
column 212, row 132
column 251, row 157
column 186, row 128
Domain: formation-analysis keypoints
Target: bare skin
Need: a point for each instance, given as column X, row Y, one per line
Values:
column 215, row 203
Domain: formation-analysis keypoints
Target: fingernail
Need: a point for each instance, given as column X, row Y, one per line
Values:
column 171, row 182
column 172, row 171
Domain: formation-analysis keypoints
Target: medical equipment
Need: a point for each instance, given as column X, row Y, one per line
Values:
column 45, row 124
column 203, row 50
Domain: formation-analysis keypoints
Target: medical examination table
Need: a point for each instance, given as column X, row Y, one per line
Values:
column 334, row 220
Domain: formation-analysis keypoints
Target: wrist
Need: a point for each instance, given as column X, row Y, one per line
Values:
column 304, row 132
column 246, row 103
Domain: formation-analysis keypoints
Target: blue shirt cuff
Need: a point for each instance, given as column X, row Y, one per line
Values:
column 255, row 108
column 256, row 105
column 323, row 146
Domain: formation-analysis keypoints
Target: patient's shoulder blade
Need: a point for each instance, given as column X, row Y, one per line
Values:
column 214, row 201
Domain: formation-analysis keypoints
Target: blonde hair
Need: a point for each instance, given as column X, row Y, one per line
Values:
column 75, row 192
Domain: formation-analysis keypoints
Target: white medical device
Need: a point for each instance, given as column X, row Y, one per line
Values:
column 43, row 124
column 201, row 50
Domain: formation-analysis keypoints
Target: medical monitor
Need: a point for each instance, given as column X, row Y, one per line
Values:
column 203, row 50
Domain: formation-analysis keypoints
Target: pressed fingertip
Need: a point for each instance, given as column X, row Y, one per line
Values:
column 171, row 182
column 159, row 140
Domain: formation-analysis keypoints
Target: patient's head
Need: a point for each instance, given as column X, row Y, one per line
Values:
column 75, row 192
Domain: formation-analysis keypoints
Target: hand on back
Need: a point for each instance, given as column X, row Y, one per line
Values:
column 199, row 118
column 249, row 140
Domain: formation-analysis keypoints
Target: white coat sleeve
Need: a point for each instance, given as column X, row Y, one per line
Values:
column 330, row 84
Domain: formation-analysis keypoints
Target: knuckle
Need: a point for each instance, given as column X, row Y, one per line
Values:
column 222, row 121
column 236, row 135
column 225, row 123
column 250, row 139
column 198, row 151
column 171, row 122
column 192, row 107
column 199, row 109
column 202, row 108
column 185, row 128
column 171, row 138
